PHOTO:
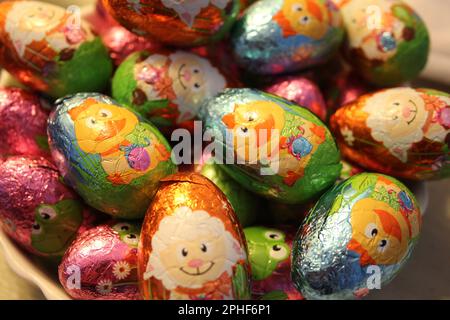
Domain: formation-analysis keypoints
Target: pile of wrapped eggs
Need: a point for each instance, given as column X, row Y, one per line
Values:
column 88, row 178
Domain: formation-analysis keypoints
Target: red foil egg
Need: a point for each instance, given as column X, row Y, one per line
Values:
column 301, row 91
column 36, row 209
column 23, row 129
column 101, row 263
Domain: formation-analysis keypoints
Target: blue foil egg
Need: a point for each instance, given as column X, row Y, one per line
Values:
column 278, row 36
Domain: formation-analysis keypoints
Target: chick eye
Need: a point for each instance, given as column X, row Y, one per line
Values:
column 91, row 122
column 297, row 7
column 278, row 252
column 304, row 20
column 184, row 252
column 274, row 235
column 47, row 213
column 36, row 229
column 204, row 248
column 105, row 113
column 371, row 230
column 382, row 245
column 244, row 129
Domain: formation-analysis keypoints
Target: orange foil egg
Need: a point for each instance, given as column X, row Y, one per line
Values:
column 192, row 245
column 402, row 132
column 179, row 23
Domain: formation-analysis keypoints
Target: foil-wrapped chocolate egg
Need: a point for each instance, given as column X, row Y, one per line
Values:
column 23, row 129
column 51, row 49
column 108, row 154
column 269, row 252
column 277, row 36
column 192, row 245
column 36, row 209
column 402, row 132
column 387, row 42
column 166, row 87
column 244, row 203
column 356, row 238
column 301, row 91
column 101, row 264
column 280, row 150
column 178, row 23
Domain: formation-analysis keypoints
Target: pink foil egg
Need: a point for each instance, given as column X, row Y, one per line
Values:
column 23, row 124
column 36, row 209
column 101, row 263
column 301, row 91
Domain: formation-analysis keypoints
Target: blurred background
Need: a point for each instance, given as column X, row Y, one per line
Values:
column 427, row 275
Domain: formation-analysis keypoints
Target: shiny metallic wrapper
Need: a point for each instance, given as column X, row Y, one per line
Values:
column 301, row 91
column 182, row 24
column 101, row 263
column 36, row 209
column 356, row 239
column 192, row 245
column 23, row 129
column 274, row 37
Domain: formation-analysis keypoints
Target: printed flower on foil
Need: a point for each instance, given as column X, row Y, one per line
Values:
column 104, row 286
column 121, row 270
column 348, row 136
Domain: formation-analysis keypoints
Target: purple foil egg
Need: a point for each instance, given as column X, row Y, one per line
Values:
column 36, row 209
column 101, row 264
column 301, row 91
column 23, row 124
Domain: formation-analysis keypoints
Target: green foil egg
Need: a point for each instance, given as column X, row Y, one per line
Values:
column 245, row 204
column 271, row 146
column 113, row 158
column 387, row 42
column 356, row 238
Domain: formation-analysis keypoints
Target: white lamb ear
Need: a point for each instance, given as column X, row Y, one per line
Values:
column 20, row 47
column 187, row 18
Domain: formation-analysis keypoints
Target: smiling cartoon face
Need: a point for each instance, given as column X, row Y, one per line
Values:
column 379, row 233
column 37, row 16
column 99, row 127
column 192, row 248
column 303, row 17
column 194, row 80
column 248, row 122
column 267, row 249
column 55, row 225
column 396, row 118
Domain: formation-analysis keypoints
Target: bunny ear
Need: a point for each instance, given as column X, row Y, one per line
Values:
column 221, row 4
column 20, row 47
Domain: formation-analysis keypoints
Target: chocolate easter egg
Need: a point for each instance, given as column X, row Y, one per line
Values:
column 51, row 49
column 387, row 42
column 402, row 132
column 356, row 238
column 192, row 246
column 36, row 209
column 108, row 154
column 277, row 149
column 269, row 251
column 23, row 129
column 101, row 264
column 277, row 36
column 178, row 23
column 168, row 88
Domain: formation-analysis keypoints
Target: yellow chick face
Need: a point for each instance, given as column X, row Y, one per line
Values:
column 100, row 127
column 303, row 17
